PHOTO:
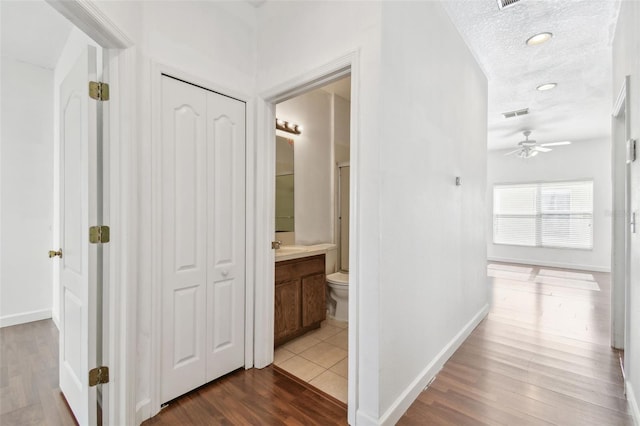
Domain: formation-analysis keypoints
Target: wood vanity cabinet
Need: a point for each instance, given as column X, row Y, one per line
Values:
column 300, row 297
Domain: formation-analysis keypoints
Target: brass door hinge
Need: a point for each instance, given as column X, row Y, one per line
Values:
column 98, row 91
column 98, row 376
column 98, row 234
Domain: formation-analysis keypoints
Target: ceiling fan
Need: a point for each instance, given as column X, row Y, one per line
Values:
column 529, row 148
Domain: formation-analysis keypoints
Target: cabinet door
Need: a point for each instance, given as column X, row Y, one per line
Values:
column 314, row 307
column 287, row 309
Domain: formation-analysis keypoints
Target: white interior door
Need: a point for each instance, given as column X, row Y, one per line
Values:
column 226, row 251
column 78, row 266
column 202, row 226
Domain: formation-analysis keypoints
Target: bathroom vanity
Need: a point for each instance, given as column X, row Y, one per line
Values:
column 300, row 296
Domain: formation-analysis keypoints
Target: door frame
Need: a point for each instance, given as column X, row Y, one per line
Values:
column 265, row 204
column 157, row 71
column 119, row 208
column 621, row 260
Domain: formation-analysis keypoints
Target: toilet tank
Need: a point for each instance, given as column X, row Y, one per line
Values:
column 331, row 260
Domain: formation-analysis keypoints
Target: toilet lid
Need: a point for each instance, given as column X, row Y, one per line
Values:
column 341, row 278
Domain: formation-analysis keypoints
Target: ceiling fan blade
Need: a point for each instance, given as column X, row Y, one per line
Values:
column 556, row 143
column 513, row 152
column 541, row 148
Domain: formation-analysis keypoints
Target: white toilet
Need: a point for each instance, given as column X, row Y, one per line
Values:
column 338, row 283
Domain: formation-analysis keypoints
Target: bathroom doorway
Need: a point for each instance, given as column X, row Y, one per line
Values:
column 311, row 329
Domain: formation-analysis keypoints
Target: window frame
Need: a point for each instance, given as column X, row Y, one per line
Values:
column 539, row 214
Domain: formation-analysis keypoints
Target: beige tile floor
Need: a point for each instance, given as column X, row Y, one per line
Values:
column 319, row 358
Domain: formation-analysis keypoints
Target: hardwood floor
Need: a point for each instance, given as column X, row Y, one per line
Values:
column 252, row 397
column 29, row 393
column 541, row 357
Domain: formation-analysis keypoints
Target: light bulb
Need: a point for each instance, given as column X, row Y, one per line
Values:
column 546, row 86
column 539, row 38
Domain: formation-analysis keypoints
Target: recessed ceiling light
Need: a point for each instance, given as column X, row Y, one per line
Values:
column 539, row 38
column 546, row 86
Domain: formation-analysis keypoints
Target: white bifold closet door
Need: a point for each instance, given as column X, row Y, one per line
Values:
column 203, row 240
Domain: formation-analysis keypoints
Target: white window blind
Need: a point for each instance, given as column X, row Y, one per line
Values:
column 545, row 214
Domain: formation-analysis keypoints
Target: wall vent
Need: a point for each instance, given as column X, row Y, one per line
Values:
column 516, row 113
column 506, row 3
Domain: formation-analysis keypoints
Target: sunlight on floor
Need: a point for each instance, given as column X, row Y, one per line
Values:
column 555, row 277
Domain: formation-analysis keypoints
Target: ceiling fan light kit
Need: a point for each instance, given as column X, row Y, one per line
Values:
column 530, row 148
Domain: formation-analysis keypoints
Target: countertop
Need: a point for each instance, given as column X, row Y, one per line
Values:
column 296, row 252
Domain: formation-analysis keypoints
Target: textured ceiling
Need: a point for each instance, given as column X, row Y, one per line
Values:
column 33, row 32
column 578, row 58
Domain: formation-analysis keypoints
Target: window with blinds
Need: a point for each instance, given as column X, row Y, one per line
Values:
column 544, row 214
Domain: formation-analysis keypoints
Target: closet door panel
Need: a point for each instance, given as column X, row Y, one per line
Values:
column 226, row 236
column 184, row 230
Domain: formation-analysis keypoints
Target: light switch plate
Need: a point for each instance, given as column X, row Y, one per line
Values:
column 631, row 150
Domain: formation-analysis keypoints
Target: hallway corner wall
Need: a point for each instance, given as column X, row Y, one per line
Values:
column 626, row 61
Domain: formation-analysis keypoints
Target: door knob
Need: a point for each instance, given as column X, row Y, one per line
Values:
column 53, row 253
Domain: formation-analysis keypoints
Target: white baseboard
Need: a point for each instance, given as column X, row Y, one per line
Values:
column 55, row 321
column 363, row 419
column 406, row 398
column 551, row 264
column 143, row 411
column 633, row 403
column 24, row 317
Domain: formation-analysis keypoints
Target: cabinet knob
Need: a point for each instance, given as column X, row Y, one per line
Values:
column 225, row 272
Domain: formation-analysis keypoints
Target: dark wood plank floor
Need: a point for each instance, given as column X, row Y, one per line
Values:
column 541, row 357
column 252, row 397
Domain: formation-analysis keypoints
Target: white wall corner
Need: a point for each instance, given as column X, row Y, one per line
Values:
column 143, row 410
column 56, row 320
column 633, row 403
column 24, row 317
column 409, row 395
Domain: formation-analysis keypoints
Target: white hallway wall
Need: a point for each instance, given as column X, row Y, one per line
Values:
column 26, row 188
column 626, row 61
column 581, row 160
column 432, row 273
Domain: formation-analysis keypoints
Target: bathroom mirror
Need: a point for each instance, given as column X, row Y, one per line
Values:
column 284, row 185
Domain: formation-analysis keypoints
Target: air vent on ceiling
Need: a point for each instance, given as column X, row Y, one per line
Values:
column 516, row 113
column 506, row 3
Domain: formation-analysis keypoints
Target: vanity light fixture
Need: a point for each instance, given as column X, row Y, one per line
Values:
column 546, row 86
column 288, row 127
column 539, row 38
